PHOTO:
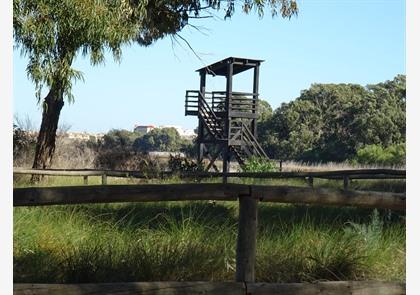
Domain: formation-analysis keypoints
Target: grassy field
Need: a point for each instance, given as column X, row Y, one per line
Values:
column 197, row 240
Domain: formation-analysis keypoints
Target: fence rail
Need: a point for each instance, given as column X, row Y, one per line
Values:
column 345, row 175
column 80, row 172
column 215, row 288
column 38, row 196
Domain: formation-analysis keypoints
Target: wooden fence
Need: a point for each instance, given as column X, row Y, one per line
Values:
column 345, row 175
column 248, row 195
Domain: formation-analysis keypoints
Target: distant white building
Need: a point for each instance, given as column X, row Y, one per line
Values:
column 143, row 129
column 78, row 135
column 83, row 135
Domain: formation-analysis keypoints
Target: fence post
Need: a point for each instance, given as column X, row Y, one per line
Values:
column 224, row 178
column 346, row 182
column 310, row 181
column 104, row 179
column 247, row 239
column 85, row 180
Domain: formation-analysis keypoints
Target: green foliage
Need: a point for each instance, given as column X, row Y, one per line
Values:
column 264, row 111
column 123, row 149
column 158, row 19
column 162, row 139
column 369, row 232
column 118, row 139
column 115, row 151
column 393, row 155
column 182, row 164
column 330, row 122
column 256, row 164
column 51, row 33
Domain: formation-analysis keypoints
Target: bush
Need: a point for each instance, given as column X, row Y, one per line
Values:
column 118, row 138
column 23, row 147
column 127, row 160
column 182, row 164
column 161, row 140
column 256, row 164
column 393, row 155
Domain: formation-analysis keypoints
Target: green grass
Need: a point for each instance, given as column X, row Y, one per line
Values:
column 197, row 240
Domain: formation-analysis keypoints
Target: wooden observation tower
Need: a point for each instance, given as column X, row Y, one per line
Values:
column 227, row 120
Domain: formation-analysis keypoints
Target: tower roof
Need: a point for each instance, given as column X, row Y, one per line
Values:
column 239, row 65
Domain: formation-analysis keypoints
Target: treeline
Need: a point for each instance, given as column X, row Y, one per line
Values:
column 339, row 122
column 158, row 139
column 123, row 149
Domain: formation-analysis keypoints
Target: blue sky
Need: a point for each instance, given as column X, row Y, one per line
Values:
column 359, row 41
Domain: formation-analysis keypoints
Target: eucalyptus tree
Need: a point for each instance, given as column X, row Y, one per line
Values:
column 52, row 33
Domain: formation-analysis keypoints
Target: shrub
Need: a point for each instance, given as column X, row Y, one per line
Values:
column 393, row 155
column 256, row 164
column 162, row 140
column 127, row 160
column 182, row 164
column 23, row 147
column 73, row 154
column 118, row 139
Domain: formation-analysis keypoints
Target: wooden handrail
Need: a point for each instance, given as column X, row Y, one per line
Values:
column 207, row 112
column 254, row 142
column 333, row 174
column 38, row 196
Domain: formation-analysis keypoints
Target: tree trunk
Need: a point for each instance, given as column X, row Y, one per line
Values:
column 45, row 146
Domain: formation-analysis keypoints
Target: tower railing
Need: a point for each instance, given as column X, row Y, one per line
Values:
column 192, row 101
column 241, row 104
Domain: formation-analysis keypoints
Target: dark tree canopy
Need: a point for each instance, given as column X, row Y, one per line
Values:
column 330, row 122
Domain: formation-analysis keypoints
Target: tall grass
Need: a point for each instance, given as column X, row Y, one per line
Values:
column 197, row 240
